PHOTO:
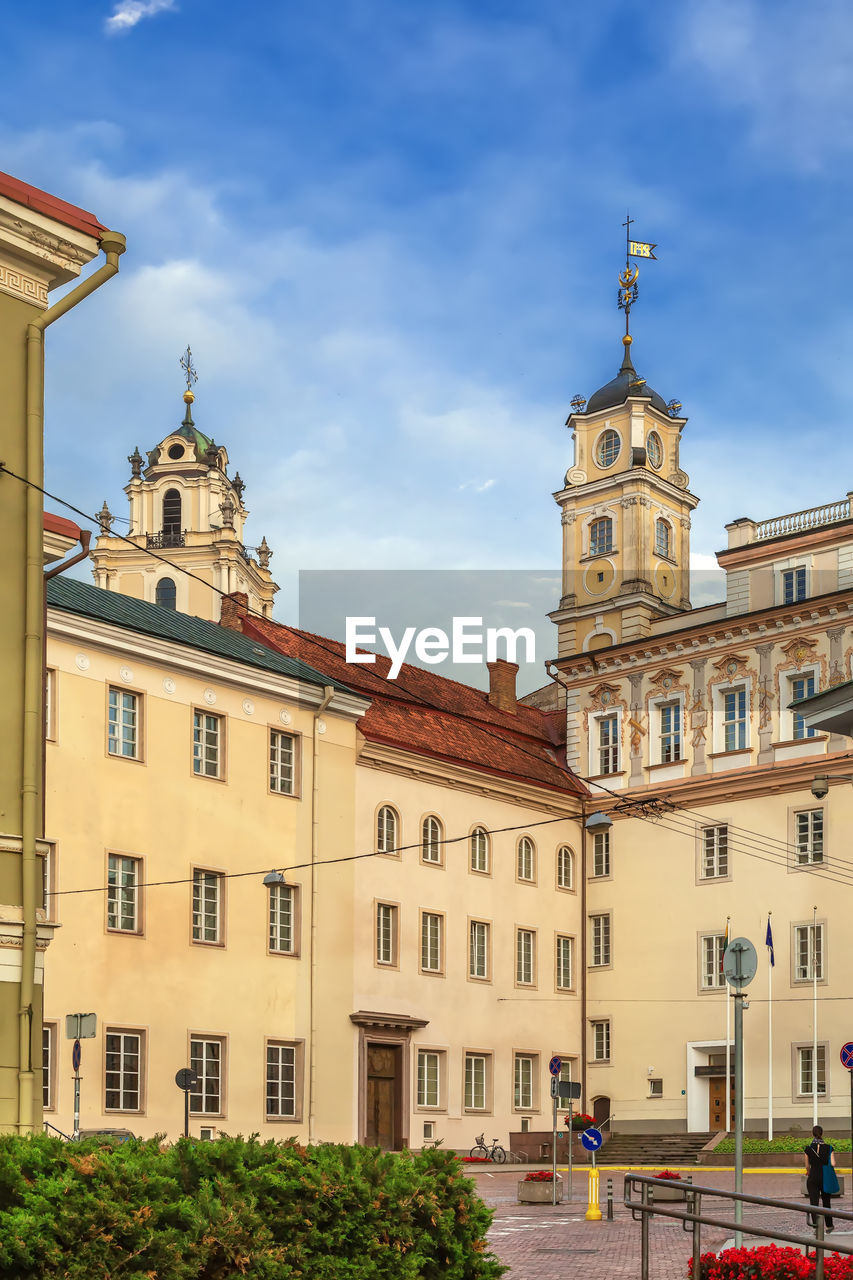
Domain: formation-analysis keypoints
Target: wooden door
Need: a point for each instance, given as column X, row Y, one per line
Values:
column 383, row 1097
column 716, row 1105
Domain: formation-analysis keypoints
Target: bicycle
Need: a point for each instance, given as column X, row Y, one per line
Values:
column 481, row 1152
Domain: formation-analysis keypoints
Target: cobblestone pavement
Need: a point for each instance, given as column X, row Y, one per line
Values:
column 546, row 1242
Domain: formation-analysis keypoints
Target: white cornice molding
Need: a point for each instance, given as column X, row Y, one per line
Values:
column 377, row 755
column 620, row 479
column 199, row 663
column 37, row 253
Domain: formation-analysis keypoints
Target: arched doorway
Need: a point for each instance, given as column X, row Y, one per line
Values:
column 600, row 1111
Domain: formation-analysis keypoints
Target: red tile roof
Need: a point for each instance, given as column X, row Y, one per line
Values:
column 59, row 525
column 50, row 206
column 433, row 715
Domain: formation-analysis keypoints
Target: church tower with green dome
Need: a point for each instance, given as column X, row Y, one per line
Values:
column 184, row 545
column 625, row 507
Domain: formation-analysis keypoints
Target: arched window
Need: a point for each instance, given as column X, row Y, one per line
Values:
column 166, row 595
column 607, row 449
column 171, row 518
column 431, row 840
column 601, row 536
column 654, row 450
column 565, row 868
column 386, row 830
column 480, row 850
column 526, row 865
column 663, row 538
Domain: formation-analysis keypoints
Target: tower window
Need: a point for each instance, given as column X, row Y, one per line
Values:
column 654, row 450
column 794, row 584
column 176, row 451
column 601, row 536
column 663, row 538
column 166, row 594
column 607, row 449
column 171, row 516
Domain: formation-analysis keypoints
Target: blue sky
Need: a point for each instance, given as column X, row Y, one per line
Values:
column 391, row 233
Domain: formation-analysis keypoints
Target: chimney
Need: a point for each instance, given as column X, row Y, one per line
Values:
column 233, row 609
column 502, row 684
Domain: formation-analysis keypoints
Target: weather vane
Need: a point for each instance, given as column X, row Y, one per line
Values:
column 189, row 368
column 628, row 289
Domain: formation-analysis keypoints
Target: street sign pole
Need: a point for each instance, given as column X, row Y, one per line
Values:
column 740, row 964
column 555, row 1066
column 186, row 1079
column 75, row 1062
column 847, row 1063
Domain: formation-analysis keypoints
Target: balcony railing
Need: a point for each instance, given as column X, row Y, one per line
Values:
column 799, row 521
column 166, row 538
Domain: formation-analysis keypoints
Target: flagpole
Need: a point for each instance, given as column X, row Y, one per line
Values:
column 769, row 1031
column 814, row 1015
column 728, row 1103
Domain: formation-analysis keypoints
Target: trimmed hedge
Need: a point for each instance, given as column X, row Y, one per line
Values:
column 788, row 1143
column 236, row 1207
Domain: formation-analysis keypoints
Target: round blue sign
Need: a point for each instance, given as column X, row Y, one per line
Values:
column 75, row 1056
column 555, row 1066
column 591, row 1139
column 847, row 1055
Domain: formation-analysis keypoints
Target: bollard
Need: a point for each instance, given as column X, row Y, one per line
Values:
column 593, row 1213
column 609, row 1199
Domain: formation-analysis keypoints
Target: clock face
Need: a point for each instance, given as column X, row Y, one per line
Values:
column 654, row 450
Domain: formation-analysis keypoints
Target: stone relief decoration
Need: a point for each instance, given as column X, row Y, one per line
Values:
column 638, row 732
column 765, row 698
column 604, row 696
column 667, row 680
column 801, row 651
column 731, row 665
column 575, row 475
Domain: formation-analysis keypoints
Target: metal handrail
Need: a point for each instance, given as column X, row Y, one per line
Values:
column 693, row 1194
column 48, row 1125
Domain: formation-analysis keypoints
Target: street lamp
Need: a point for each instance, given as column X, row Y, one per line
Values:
column 273, row 878
column 598, row 822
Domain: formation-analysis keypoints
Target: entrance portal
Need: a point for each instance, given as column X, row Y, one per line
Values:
column 600, row 1111
column 716, row 1103
column 384, row 1097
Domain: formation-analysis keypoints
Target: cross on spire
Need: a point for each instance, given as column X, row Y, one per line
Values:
column 189, row 368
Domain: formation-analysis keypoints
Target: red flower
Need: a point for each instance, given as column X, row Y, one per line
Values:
column 670, row 1176
column 540, row 1175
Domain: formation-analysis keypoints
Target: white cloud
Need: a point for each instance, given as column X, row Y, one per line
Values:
column 128, row 13
column 478, row 486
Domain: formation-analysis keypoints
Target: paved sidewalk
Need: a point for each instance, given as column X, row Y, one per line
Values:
column 546, row 1242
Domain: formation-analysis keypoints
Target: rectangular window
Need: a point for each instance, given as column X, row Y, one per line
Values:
column 123, row 1074
column 123, row 877
column 599, row 940
column 206, row 1059
column 565, row 965
column 601, row 536
column 123, row 724
column 207, row 906
column 207, row 744
column 565, row 868
column 282, row 763
column 713, row 947
column 601, row 1041
column 281, row 1080
column 801, row 687
column 656, row 1088
column 808, row 837
column 429, row 1078
column 808, row 952
column 386, row 933
column 670, row 732
column 601, row 853
column 282, row 935
column 478, row 949
column 525, row 958
column 805, row 1070
column 662, row 538
column 432, row 928
column 608, row 744
column 715, row 852
column 794, row 585
column 476, row 1067
column 525, row 1077
column 734, row 719
column 48, row 1051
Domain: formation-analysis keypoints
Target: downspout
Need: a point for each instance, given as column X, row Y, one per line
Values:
column 328, row 694
column 113, row 244
column 583, row 967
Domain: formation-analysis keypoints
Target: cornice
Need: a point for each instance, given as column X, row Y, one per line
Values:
column 198, row 663
column 620, row 479
column 377, row 755
column 769, row 548
column 35, row 256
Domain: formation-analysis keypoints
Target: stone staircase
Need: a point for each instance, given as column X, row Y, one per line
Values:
column 661, row 1150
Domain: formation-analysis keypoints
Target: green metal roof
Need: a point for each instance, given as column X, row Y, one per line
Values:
column 167, row 624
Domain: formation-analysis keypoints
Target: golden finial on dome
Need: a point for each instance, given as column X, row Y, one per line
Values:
column 628, row 278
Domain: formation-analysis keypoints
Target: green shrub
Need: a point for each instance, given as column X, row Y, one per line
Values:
column 788, row 1143
column 235, row 1207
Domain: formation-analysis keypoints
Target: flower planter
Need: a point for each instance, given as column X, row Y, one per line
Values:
column 805, row 1191
column 676, row 1192
column 539, row 1192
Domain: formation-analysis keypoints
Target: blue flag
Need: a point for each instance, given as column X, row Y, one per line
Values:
column 768, row 942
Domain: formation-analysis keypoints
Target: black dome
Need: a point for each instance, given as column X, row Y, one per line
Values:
column 625, row 384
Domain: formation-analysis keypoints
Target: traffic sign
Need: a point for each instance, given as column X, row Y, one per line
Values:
column 76, row 1056
column 186, row 1079
column 847, row 1055
column 555, row 1066
column 80, row 1026
column 740, row 963
column 591, row 1139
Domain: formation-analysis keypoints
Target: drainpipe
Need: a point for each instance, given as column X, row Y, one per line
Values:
column 328, row 694
column 113, row 244
column 583, row 965
column 85, row 539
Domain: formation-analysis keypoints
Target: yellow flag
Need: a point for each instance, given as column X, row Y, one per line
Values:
column 639, row 249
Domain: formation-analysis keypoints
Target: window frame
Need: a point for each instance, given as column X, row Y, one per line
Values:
column 297, row 1047
column 436, row 971
column 650, row 448
column 663, row 546
column 205, row 1037
column 799, row 927
column 520, row 1056
column 601, row 540
column 140, row 1035
column 597, row 747
column 606, row 1040
column 475, row 922
column 601, row 861
column 295, row 766
column 526, row 931
column 718, row 709
column 525, row 845
column 428, row 1051
column 220, row 907
column 798, row 1049
column 702, row 832
column 137, row 757
column 393, row 908
column 802, row 858
column 599, row 453
column 274, row 891
column 380, row 831
column 716, row 972
column 49, row 1041
column 487, row 1057
column 428, row 842
column 571, row 940
column 480, row 833
column 205, row 712
column 138, row 929
column 606, row 942
column 565, row 848
column 674, row 735
column 799, row 585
